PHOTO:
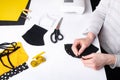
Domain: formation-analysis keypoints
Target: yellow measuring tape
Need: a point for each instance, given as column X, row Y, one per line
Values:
column 38, row 59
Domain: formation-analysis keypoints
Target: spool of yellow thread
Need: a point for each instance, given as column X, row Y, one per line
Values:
column 38, row 60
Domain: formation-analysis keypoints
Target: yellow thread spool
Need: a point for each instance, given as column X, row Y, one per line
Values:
column 38, row 60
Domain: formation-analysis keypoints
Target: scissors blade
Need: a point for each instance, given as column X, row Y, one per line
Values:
column 59, row 23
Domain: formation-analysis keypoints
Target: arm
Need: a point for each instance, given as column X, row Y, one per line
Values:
column 92, row 31
column 97, row 18
column 98, row 60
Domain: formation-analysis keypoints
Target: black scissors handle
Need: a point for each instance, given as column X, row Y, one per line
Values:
column 56, row 35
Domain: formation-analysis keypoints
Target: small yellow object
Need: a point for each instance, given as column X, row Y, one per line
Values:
column 38, row 60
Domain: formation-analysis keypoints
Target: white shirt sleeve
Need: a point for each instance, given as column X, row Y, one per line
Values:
column 117, row 62
column 98, row 17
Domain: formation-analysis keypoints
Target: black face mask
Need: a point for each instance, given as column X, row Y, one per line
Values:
column 87, row 51
column 69, row 50
column 35, row 35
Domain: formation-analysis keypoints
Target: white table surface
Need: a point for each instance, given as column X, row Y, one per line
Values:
column 59, row 65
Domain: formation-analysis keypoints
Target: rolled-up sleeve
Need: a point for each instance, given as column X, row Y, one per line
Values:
column 117, row 62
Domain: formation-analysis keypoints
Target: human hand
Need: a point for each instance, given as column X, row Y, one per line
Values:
column 98, row 60
column 80, row 45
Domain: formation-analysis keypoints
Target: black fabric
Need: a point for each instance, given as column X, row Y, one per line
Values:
column 14, row 72
column 94, row 3
column 88, row 50
column 35, row 35
column 111, row 74
column 21, row 20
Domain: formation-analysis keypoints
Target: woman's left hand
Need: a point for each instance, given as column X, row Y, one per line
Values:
column 98, row 60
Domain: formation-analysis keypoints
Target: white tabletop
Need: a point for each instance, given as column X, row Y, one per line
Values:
column 59, row 65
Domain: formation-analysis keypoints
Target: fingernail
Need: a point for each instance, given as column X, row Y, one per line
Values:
column 83, row 57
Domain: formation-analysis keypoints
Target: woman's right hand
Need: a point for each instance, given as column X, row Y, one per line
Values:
column 82, row 43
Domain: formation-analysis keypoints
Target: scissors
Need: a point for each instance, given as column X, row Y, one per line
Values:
column 56, row 35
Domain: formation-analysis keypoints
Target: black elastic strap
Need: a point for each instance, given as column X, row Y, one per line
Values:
column 9, row 51
column 12, row 66
column 4, row 64
column 10, row 61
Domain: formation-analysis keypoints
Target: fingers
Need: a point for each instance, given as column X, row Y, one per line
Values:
column 77, row 51
column 82, row 48
column 78, row 43
column 88, row 61
column 92, row 61
column 92, row 65
column 74, row 49
column 90, row 56
column 75, row 46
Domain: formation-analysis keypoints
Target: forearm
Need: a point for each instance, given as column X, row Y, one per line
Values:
column 110, row 59
column 90, row 36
